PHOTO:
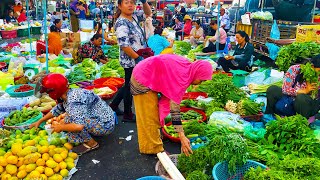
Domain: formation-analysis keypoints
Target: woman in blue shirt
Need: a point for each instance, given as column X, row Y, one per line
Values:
column 157, row 42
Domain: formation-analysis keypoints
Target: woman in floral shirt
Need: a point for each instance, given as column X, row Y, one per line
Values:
column 86, row 113
column 93, row 50
column 298, row 89
column 131, row 38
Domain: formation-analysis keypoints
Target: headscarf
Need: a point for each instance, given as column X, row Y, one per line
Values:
column 73, row 5
column 170, row 75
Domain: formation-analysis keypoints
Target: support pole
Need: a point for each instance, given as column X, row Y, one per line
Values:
column 46, row 33
column 218, row 21
column 28, row 20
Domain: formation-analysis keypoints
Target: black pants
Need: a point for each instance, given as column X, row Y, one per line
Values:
column 227, row 65
column 124, row 93
column 212, row 47
column 303, row 103
column 179, row 33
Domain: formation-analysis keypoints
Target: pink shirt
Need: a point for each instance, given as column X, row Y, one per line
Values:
column 223, row 36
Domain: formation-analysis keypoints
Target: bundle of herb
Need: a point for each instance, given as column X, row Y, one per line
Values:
column 197, row 175
column 311, row 76
column 291, row 135
column 296, row 52
column 181, row 47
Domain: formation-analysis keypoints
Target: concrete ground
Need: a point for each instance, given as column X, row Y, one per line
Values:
column 119, row 159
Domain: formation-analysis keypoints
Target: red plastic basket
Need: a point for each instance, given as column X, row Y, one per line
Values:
column 100, row 81
column 168, row 136
column 2, row 65
column 105, row 97
column 9, row 34
column 185, row 109
column 174, row 139
column 17, row 78
column 194, row 95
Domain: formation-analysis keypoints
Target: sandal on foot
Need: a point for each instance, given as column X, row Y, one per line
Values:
column 84, row 148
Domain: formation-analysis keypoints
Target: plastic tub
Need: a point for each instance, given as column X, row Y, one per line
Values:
column 9, row 34
column 22, row 32
column 11, row 90
column 36, row 30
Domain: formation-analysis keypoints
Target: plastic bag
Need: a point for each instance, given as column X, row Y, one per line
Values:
column 274, row 34
column 254, row 134
column 229, row 120
column 255, row 78
column 16, row 70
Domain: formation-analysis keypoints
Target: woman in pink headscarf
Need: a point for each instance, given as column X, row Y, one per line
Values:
column 169, row 75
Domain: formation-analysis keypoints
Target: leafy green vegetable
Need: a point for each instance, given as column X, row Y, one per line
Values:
column 219, row 88
column 296, row 52
column 197, row 175
column 181, row 47
column 112, row 69
column 289, row 168
column 194, row 127
column 311, row 76
column 247, row 107
column 291, row 135
column 191, row 115
column 113, row 52
column 192, row 52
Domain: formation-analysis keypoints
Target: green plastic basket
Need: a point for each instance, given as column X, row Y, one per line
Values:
column 10, row 91
column 36, row 30
column 25, row 125
column 23, row 32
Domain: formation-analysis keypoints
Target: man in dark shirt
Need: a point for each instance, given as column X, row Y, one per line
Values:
column 10, row 18
column 183, row 11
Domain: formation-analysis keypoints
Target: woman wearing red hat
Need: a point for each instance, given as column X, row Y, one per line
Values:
column 86, row 113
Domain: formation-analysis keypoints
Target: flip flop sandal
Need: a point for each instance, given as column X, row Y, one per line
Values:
column 84, row 148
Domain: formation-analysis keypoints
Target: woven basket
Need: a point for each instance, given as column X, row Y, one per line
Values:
column 160, row 169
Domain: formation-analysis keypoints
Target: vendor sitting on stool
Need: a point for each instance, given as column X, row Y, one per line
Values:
column 196, row 33
column 86, row 113
column 242, row 56
column 294, row 97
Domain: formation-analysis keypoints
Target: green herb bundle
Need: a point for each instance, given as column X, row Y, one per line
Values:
column 192, row 53
column 296, row 52
column 197, row 175
column 290, row 135
column 289, row 168
column 181, row 47
column 246, row 107
column 311, row 76
column 220, row 88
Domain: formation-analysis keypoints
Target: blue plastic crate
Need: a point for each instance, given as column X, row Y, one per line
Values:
column 151, row 178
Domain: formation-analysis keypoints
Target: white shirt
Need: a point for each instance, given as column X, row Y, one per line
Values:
column 196, row 32
column 225, row 20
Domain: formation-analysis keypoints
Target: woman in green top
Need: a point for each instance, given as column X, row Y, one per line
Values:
column 242, row 55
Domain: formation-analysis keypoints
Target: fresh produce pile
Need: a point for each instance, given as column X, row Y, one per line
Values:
column 289, row 148
column 192, row 52
column 84, row 84
column 29, row 155
column 45, row 103
column 112, row 69
column 24, row 88
column 229, row 147
column 113, row 52
column 113, row 82
column 246, row 107
column 191, row 115
column 103, row 91
column 57, row 120
column 221, row 89
column 311, row 76
column 296, row 53
column 20, row 116
column 262, row 88
column 83, row 71
column 191, row 129
column 22, row 80
column 37, row 77
column 181, row 47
